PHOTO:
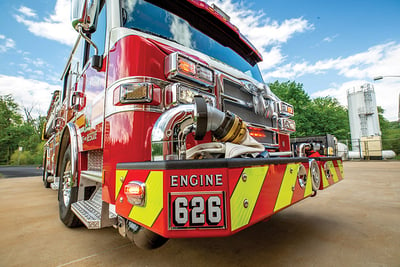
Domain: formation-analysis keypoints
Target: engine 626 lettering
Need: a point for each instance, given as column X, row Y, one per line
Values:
column 198, row 210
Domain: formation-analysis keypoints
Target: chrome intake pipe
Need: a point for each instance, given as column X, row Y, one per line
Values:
column 168, row 138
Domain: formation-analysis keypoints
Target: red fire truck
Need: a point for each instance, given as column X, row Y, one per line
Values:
column 164, row 127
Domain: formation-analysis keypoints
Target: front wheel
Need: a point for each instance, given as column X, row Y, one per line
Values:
column 67, row 192
column 315, row 175
column 147, row 239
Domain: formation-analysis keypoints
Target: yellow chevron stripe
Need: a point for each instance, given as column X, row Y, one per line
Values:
column 286, row 192
column 335, row 177
column 120, row 176
column 340, row 165
column 247, row 189
column 325, row 182
column 308, row 190
column 154, row 200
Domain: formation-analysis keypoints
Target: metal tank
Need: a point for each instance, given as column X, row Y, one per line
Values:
column 364, row 121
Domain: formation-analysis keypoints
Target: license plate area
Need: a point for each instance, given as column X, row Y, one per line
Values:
column 197, row 210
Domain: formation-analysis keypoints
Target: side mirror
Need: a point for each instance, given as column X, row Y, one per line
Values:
column 84, row 14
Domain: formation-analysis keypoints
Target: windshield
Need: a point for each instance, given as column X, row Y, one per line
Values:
column 146, row 17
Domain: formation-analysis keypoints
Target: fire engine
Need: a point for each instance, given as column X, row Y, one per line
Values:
column 164, row 127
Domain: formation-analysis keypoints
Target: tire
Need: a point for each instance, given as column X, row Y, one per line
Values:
column 67, row 194
column 315, row 175
column 147, row 239
column 45, row 173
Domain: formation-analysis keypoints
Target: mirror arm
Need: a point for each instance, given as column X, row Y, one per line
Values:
column 96, row 50
column 97, row 60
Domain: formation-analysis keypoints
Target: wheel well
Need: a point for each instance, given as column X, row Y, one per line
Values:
column 68, row 137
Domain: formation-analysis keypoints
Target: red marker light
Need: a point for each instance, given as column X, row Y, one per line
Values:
column 135, row 193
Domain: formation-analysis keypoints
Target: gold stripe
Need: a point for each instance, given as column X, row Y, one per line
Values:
column 154, row 200
column 81, row 121
column 246, row 191
column 286, row 191
column 120, row 176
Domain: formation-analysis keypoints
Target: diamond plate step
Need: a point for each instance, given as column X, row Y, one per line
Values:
column 94, row 213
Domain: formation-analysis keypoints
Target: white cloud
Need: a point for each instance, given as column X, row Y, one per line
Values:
column 267, row 35
column 363, row 65
column 330, row 39
column 55, row 27
column 387, row 93
column 27, row 11
column 6, row 43
column 28, row 93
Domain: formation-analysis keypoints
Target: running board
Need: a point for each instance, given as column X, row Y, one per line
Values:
column 95, row 213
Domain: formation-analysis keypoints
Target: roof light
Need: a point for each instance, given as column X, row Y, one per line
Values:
column 135, row 193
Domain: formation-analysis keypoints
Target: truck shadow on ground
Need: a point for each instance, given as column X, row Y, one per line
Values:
column 286, row 233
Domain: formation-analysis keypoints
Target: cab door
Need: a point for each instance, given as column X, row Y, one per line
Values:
column 88, row 98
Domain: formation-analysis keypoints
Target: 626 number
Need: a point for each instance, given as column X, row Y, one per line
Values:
column 197, row 211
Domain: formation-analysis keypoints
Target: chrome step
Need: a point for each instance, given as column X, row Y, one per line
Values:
column 95, row 176
column 95, row 213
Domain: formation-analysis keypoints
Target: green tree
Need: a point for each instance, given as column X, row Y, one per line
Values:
column 330, row 117
column 15, row 133
column 390, row 132
column 294, row 94
column 10, row 120
column 313, row 117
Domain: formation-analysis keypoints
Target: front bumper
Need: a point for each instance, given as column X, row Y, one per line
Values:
column 209, row 198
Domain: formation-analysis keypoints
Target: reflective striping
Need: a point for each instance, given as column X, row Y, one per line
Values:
column 286, row 190
column 324, row 179
column 340, row 165
column 308, row 190
column 335, row 177
column 248, row 190
column 148, row 214
column 120, row 176
column 81, row 121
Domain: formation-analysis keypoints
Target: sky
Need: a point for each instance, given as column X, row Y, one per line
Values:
column 329, row 46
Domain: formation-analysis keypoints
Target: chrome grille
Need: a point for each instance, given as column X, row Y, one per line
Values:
column 237, row 99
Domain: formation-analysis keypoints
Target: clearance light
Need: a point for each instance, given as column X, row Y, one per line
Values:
column 286, row 109
column 135, row 193
column 136, row 93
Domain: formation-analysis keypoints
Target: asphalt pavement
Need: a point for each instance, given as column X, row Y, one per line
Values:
column 352, row 223
column 20, row 171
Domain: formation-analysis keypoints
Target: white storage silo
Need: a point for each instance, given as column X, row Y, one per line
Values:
column 364, row 121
